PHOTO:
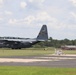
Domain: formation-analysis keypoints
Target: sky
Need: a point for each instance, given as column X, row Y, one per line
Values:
column 24, row 18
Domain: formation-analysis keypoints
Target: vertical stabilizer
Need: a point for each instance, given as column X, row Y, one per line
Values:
column 43, row 34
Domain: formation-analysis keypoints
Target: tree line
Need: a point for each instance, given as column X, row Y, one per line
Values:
column 55, row 43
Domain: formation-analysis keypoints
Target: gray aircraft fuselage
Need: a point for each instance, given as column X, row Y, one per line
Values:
column 18, row 43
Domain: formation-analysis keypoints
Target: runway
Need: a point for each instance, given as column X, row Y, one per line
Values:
column 67, row 61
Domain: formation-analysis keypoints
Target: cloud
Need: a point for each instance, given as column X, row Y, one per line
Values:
column 31, row 0
column 1, row 18
column 73, row 14
column 23, row 4
column 37, row 4
column 41, row 18
column 1, row 3
column 74, row 2
column 12, row 21
column 29, row 19
column 36, row 1
column 8, row 12
column 33, row 19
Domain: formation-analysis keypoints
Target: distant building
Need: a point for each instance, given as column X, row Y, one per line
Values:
column 69, row 47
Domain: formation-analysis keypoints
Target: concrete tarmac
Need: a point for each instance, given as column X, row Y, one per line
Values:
column 66, row 61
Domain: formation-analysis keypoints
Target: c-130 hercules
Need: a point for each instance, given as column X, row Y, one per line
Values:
column 18, row 43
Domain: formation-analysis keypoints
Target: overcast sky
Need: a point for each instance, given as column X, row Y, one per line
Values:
column 24, row 18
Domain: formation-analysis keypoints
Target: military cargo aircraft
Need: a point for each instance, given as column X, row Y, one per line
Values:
column 18, row 43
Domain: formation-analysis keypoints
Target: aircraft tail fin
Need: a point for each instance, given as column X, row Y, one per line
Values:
column 43, row 34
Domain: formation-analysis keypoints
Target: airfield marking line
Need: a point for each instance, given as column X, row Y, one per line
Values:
column 21, row 60
column 37, row 59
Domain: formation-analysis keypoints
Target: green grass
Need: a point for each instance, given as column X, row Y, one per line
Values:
column 18, row 70
column 24, row 52
column 31, row 51
column 69, row 51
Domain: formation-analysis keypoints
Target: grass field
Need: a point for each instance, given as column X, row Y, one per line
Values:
column 18, row 70
column 32, row 51
column 23, row 52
